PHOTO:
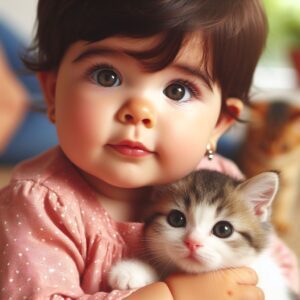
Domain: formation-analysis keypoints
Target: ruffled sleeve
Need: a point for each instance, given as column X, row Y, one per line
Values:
column 43, row 246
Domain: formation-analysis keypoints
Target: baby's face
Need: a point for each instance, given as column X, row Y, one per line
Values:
column 128, row 127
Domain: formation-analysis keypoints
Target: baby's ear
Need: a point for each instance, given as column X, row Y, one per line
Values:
column 234, row 107
column 48, row 84
column 260, row 191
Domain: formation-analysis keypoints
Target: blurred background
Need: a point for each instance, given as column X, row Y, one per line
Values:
column 277, row 66
column 269, row 140
column 24, row 131
column 19, row 14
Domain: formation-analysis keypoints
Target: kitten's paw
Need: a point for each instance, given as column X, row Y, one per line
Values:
column 131, row 274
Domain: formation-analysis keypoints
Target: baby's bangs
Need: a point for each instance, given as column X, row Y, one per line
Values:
column 167, row 49
column 161, row 55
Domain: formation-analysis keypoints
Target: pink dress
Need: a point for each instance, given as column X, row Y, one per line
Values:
column 58, row 242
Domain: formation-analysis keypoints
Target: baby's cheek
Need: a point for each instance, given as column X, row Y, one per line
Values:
column 183, row 151
column 86, row 122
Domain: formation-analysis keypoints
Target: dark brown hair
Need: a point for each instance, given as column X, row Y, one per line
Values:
column 234, row 33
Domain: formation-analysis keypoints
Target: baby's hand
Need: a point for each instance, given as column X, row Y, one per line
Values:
column 131, row 274
column 233, row 284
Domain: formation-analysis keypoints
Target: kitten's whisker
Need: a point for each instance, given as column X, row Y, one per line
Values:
column 157, row 253
column 163, row 272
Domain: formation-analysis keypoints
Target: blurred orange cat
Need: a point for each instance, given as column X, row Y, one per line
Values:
column 273, row 143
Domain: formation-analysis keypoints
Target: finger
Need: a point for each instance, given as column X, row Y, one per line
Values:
column 251, row 293
column 245, row 276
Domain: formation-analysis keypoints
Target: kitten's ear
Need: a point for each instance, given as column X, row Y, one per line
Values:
column 260, row 191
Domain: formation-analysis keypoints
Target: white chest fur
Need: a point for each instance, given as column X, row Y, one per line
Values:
column 271, row 280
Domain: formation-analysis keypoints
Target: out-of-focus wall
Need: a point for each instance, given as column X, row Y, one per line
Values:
column 20, row 14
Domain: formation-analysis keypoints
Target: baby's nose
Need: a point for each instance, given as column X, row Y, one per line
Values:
column 137, row 111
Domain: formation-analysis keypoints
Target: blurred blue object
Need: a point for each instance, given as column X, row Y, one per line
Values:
column 229, row 147
column 36, row 134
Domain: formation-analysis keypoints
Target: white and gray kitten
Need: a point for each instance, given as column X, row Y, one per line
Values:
column 204, row 222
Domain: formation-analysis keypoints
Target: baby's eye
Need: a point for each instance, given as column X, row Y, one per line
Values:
column 178, row 92
column 106, row 77
column 176, row 218
column 223, row 229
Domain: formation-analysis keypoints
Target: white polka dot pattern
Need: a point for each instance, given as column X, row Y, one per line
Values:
column 56, row 240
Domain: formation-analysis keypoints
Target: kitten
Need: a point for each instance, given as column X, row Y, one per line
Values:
column 273, row 143
column 204, row 222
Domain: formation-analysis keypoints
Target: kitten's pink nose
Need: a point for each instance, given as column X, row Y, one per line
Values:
column 192, row 244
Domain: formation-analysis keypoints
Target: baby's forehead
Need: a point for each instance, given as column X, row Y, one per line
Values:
column 192, row 46
column 130, row 44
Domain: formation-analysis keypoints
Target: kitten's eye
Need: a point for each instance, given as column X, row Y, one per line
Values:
column 178, row 92
column 223, row 229
column 106, row 77
column 176, row 218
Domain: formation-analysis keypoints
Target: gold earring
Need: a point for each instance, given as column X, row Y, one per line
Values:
column 209, row 152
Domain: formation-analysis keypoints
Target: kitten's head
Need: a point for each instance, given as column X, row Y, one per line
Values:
column 274, row 129
column 209, row 221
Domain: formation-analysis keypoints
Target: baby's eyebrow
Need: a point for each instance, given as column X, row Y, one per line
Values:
column 197, row 72
column 92, row 52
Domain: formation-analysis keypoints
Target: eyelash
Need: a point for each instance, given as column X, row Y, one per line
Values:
column 187, row 83
column 96, row 67
column 193, row 88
